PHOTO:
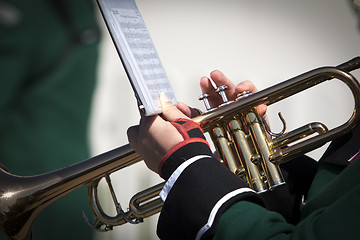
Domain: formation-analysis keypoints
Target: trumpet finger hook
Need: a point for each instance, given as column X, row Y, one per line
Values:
column 272, row 134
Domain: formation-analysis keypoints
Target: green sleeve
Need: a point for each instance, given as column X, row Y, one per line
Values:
column 246, row 220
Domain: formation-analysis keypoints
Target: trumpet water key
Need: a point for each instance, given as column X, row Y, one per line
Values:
column 241, row 137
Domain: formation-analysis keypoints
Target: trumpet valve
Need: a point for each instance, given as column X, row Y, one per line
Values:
column 242, row 95
column 204, row 98
column 221, row 91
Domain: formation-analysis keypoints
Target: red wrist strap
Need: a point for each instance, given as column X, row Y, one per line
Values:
column 190, row 131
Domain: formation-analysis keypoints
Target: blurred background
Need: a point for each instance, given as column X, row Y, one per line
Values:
column 263, row 41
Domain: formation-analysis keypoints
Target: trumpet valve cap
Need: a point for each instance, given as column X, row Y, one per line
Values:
column 221, row 90
column 204, row 98
column 243, row 94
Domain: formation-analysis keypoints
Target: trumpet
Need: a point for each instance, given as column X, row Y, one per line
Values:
column 241, row 137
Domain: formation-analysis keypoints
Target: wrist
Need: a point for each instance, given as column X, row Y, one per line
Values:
column 194, row 144
column 181, row 153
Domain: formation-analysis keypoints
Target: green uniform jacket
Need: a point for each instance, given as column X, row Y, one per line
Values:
column 204, row 200
column 331, row 212
column 48, row 59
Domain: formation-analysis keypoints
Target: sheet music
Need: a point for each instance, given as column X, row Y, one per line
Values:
column 138, row 54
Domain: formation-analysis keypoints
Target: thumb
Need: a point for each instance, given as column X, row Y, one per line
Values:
column 132, row 134
column 169, row 111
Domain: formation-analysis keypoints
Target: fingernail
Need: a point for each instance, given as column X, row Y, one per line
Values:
column 240, row 86
column 164, row 98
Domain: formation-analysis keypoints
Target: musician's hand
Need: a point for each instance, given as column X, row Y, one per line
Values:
column 215, row 99
column 187, row 110
column 231, row 92
column 155, row 135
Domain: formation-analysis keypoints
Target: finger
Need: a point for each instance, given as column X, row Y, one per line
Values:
column 132, row 134
column 249, row 86
column 219, row 79
column 188, row 111
column 207, row 87
column 147, row 121
column 262, row 110
column 169, row 110
column 245, row 86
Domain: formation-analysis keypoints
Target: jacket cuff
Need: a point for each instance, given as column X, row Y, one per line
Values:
column 181, row 153
column 203, row 191
column 194, row 144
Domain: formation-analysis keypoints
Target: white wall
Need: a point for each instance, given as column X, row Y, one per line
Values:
column 262, row 41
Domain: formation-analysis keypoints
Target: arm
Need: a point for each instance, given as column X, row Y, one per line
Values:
column 197, row 184
column 331, row 213
column 198, row 187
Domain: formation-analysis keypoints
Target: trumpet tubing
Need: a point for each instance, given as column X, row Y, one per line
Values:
column 241, row 137
column 22, row 198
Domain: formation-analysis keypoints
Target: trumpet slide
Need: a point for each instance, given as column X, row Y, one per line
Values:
column 250, row 152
